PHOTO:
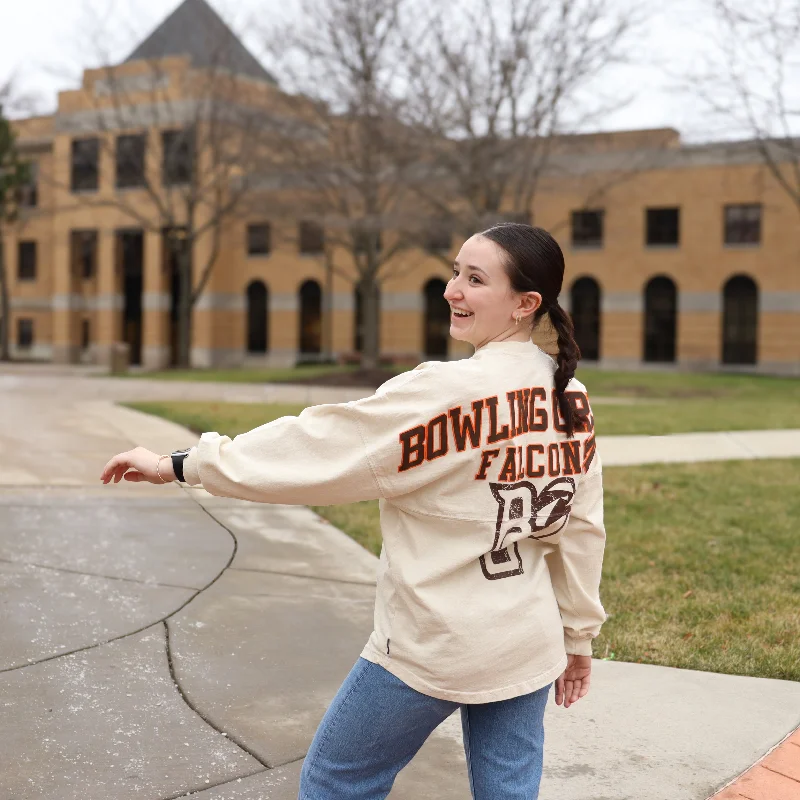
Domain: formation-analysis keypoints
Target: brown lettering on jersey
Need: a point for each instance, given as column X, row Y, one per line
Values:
column 495, row 435
column 571, row 457
column 437, row 429
column 559, row 423
column 518, row 402
column 529, row 411
column 469, row 428
column 579, row 403
column 553, row 460
column 589, row 447
column 508, row 472
column 412, row 444
column 530, row 452
column 487, row 456
column 537, row 417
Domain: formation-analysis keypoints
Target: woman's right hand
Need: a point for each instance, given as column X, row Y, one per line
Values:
column 142, row 465
column 574, row 681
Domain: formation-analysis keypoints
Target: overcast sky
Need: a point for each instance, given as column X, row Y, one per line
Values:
column 46, row 42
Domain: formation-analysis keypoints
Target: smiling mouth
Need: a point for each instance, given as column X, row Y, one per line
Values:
column 461, row 314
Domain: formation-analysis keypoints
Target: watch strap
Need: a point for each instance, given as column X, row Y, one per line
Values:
column 178, row 457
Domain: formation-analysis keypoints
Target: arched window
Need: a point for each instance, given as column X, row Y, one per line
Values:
column 660, row 323
column 310, row 317
column 585, row 304
column 257, row 328
column 739, row 320
column 358, row 329
column 437, row 319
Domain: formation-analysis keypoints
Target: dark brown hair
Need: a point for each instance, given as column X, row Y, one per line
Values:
column 534, row 263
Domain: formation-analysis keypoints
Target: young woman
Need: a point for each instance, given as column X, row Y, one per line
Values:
column 491, row 505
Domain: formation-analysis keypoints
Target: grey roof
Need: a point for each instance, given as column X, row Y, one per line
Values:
column 194, row 29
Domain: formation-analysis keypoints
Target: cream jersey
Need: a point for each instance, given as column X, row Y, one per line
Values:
column 492, row 518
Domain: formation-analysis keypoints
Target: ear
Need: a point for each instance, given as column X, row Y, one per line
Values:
column 528, row 303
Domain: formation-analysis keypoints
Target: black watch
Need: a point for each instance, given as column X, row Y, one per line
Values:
column 178, row 458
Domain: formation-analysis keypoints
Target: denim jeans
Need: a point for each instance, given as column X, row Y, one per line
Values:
column 376, row 724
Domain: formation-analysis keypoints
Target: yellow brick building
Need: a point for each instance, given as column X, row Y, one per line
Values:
column 676, row 255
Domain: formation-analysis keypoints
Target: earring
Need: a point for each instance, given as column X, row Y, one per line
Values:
column 517, row 319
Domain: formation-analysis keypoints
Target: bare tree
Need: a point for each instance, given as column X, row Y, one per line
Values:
column 14, row 175
column 189, row 141
column 750, row 81
column 495, row 83
column 352, row 168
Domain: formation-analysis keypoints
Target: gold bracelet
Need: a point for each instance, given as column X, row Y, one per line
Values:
column 158, row 464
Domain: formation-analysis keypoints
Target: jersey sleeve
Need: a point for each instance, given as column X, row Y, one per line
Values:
column 576, row 563
column 328, row 454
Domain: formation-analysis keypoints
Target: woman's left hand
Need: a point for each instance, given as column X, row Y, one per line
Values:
column 142, row 466
column 574, row 681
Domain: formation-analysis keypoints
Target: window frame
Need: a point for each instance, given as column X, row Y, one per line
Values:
column 120, row 165
column 78, row 253
column 28, row 192
column 309, row 229
column 662, row 245
column 175, row 172
column 32, row 247
column 727, row 225
column 21, row 322
column 249, row 232
column 587, row 244
column 93, row 183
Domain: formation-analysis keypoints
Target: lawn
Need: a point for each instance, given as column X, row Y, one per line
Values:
column 702, row 564
column 253, row 374
column 651, row 403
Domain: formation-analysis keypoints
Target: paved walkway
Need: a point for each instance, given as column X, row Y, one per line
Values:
column 159, row 641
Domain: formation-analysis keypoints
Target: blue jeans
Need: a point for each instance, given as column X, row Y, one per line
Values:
column 377, row 723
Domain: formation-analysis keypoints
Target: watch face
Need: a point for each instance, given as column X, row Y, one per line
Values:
column 183, row 452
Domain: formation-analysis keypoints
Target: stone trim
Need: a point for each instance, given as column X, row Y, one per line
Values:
column 692, row 302
column 79, row 302
column 779, row 302
column 629, row 302
column 402, row 301
column 156, row 301
column 222, row 301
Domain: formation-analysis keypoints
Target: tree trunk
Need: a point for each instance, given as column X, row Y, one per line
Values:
column 184, row 303
column 5, row 318
column 370, row 344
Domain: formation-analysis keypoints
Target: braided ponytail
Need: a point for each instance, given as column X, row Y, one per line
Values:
column 534, row 262
column 567, row 359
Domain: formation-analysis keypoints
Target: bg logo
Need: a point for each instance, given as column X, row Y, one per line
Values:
column 519, row 505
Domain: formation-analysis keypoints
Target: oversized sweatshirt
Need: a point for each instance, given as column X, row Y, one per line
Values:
column 492, row 518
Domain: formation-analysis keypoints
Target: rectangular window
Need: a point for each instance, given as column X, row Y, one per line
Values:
column 743, row 224
column 28, row 192
column 130, row 160
column 259, row 239
column 26, row 263
column 663, row 226
column 438, row 236
column 361, row 240
column 86, row 338
column 83, row 253
column 85, row 169
column 587, row 228
column 24, row 332
column 178, row 156
column 311, row 236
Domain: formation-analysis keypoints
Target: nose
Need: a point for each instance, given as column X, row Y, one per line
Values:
column 451, row 292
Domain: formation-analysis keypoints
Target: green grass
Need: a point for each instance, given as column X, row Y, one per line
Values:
column 671, row 402
column 702, row 567
column 253, row 374
column 723, row 532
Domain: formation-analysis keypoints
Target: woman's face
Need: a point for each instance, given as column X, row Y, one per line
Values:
column 481, row 288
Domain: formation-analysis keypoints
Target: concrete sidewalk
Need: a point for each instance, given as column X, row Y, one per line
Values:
column 159, row 641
